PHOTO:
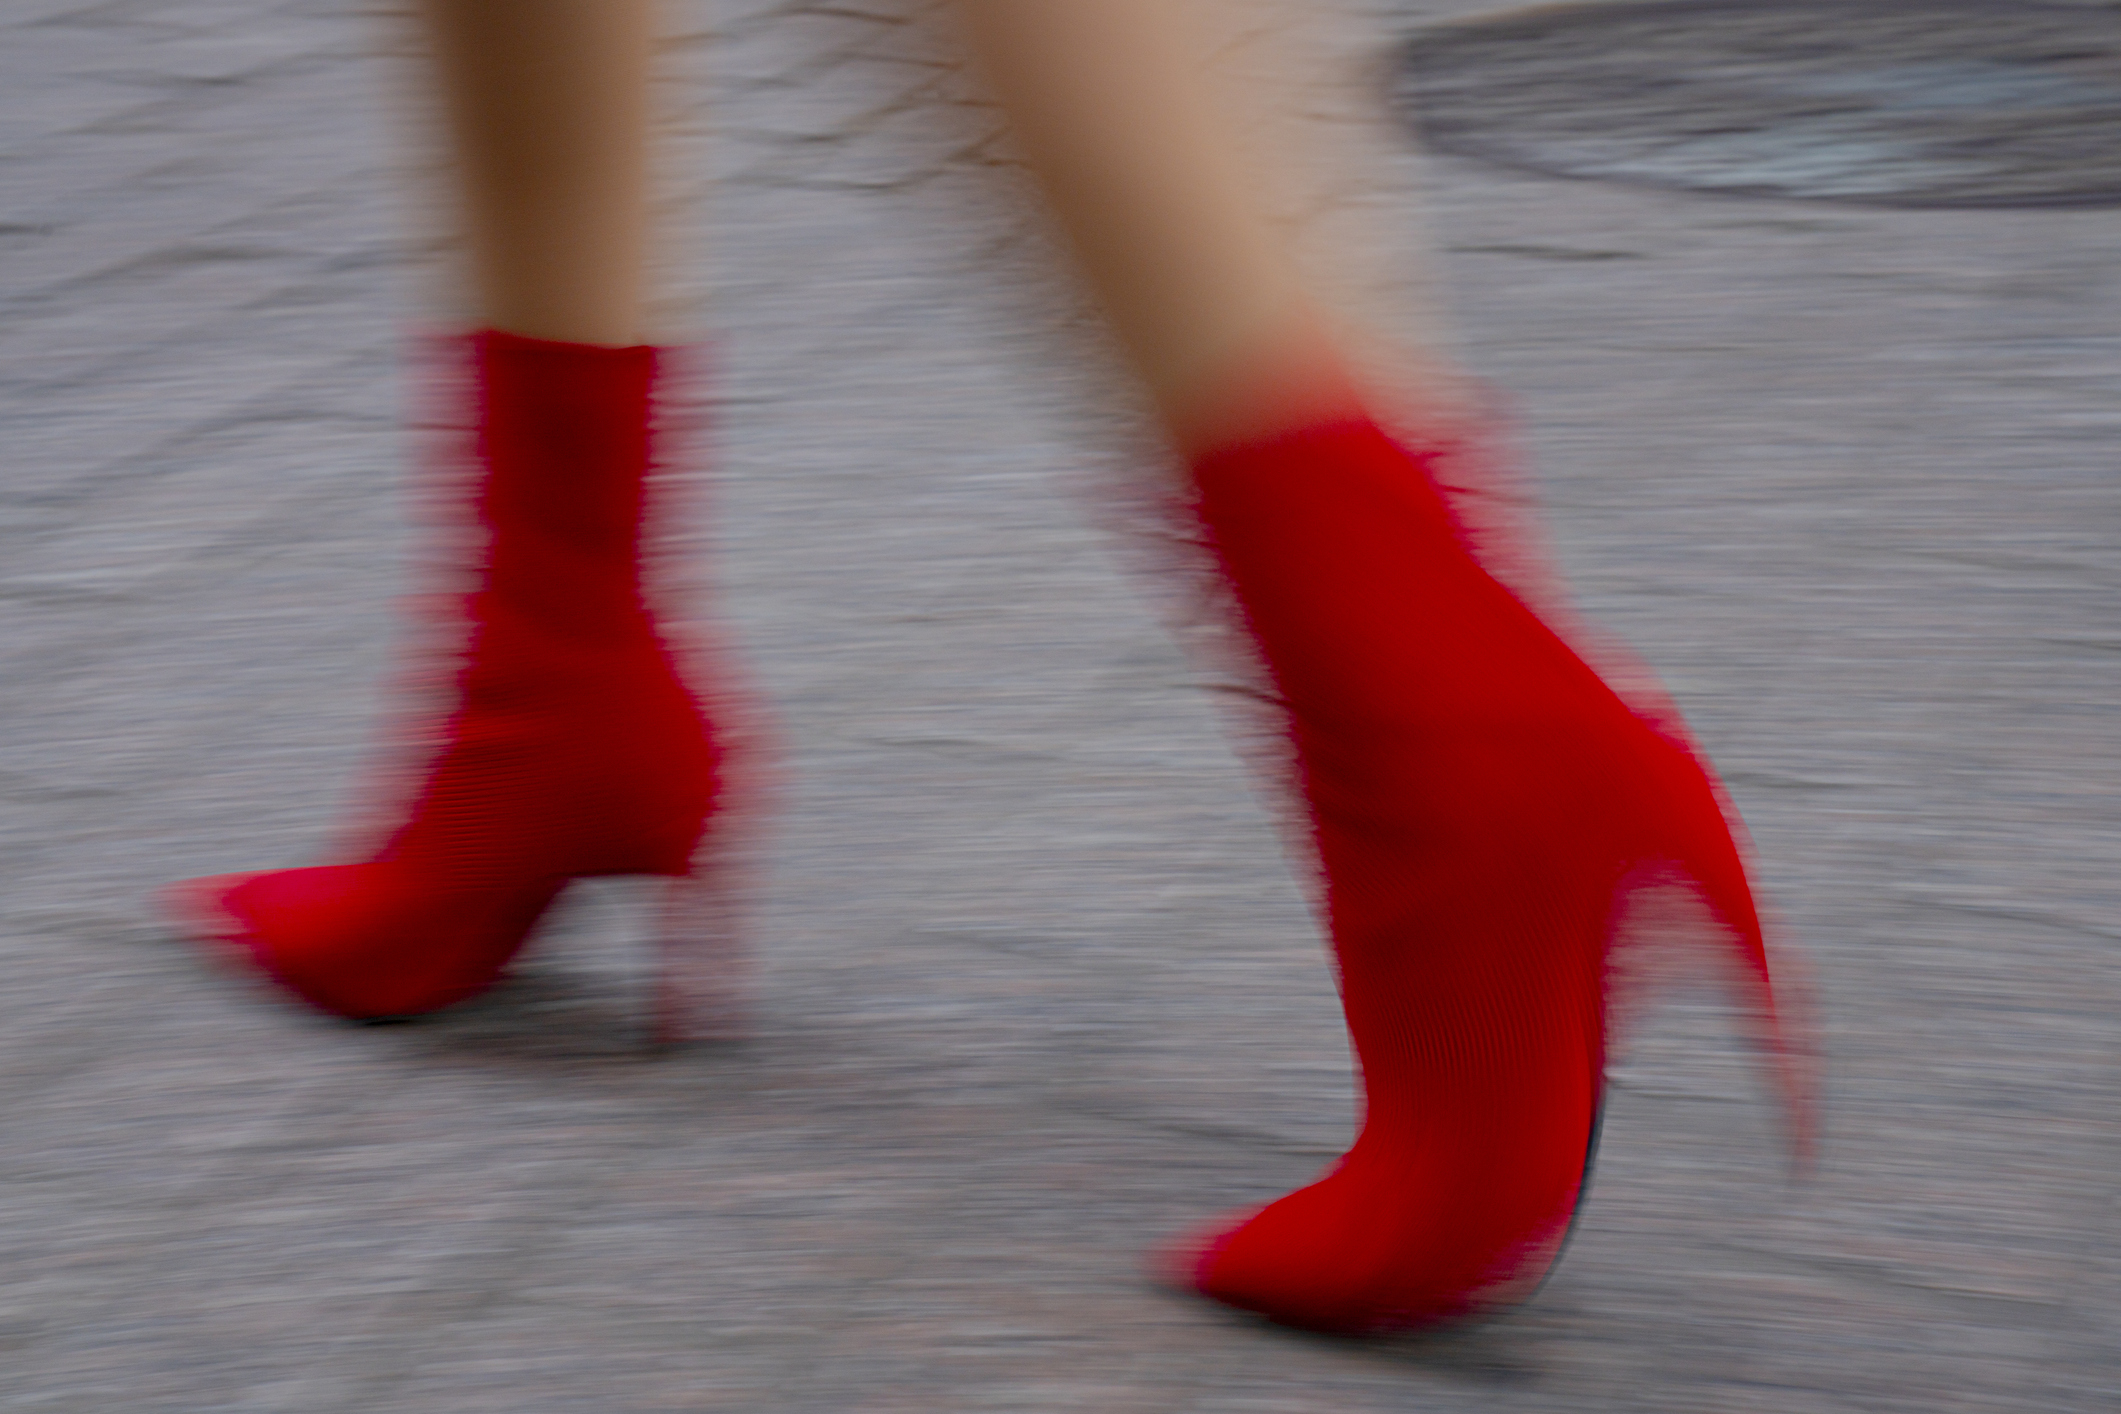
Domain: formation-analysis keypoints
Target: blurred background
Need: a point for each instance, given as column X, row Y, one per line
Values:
column 1809, row 319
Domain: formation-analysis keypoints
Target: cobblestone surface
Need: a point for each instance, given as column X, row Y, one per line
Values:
column 1038, row 989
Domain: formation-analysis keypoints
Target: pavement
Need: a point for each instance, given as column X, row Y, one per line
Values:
column 1036, row 986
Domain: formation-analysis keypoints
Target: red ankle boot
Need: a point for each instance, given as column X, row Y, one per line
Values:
column 1481, row 803
column 573, row 750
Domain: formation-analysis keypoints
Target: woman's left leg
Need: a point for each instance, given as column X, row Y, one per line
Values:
column 571, row 747
column 547, row 105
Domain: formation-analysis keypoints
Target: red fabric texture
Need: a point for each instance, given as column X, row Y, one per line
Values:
column 1479, row 800
column 573, row 748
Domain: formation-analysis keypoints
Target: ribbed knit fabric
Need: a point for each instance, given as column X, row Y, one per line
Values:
column 1478, row 798
column 573, row 749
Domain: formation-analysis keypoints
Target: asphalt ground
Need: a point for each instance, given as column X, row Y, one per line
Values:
column 1036, row 986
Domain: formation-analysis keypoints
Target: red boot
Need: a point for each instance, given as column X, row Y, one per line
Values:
column 1481, row 803
column 574, row 748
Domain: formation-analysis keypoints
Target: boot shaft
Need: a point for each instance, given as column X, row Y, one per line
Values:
column 565, row 444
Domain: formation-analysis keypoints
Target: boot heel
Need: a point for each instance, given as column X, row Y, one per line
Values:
column 1776, row 997
column 702, row 944
column 702, row 987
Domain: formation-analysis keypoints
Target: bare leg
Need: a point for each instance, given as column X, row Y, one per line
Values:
column 1478, row 799
column 1109, row 99
column 573, row 748
column 548, row 106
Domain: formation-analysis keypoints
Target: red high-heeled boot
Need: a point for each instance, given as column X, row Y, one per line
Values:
column 574, row 749
column 1481, row 803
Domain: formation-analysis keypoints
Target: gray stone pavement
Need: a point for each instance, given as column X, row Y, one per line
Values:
column 1037, row 988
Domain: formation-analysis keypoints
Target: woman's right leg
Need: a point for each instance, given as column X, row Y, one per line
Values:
column 571, row 747
column 1163, row 212
column 1479, row 799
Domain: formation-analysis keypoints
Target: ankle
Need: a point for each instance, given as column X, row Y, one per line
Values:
column 1296, row 375
column 1285, row 378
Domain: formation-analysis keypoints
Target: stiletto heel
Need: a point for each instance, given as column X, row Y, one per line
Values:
column 704, row 973
column 702, row 961
column 703, row 954
column 1772, row 992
